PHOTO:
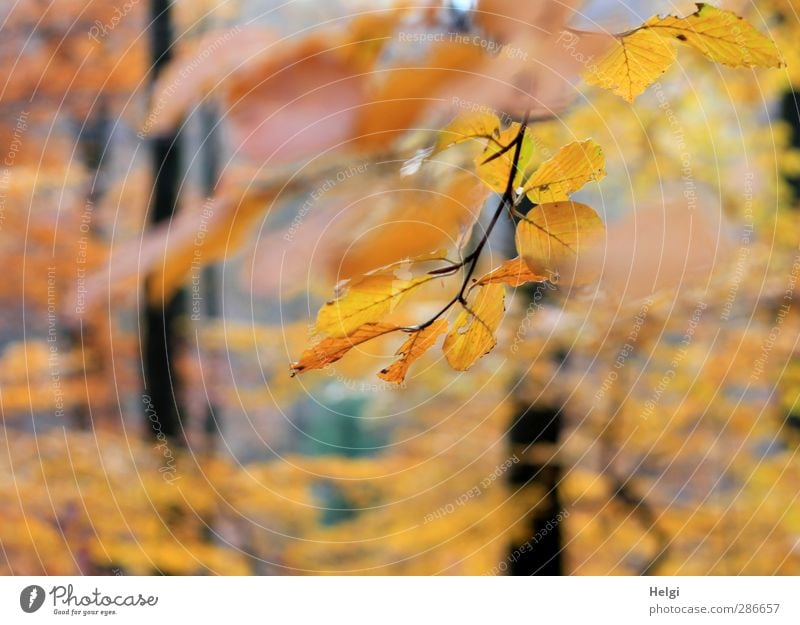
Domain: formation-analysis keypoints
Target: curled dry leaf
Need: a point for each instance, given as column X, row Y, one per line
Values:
column 514, row 272
column 472, row 335
column 412, row 349
column 331, row 349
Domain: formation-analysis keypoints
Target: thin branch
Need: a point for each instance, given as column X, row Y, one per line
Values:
column 507, row 201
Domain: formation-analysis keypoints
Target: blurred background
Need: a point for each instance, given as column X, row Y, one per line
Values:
column 182, row 188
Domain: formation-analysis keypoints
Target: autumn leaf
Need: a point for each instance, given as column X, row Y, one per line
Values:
column 641, row 56
column 573, row 166
column 720, row 35
column 365, row 300
column 633, row 64
column 472, row 335
column 551, row 235
column 466, row 127
column 331, row 349
column 514, row 272
column 414, row 347
column 494, row 164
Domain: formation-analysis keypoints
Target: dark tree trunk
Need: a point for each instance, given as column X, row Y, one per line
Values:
column 538, row 426
column 160, row 338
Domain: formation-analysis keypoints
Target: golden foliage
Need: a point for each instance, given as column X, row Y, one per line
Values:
column 514, row 272
column 641, row 56
column 484, row 126
column 494, row 164
column 472, row 335
column 551, row 236
column 365, row 300
column 721, row 35
column 96, row 502
column 415, row 346
column 572, row 167
column 331, row 349
column 635, row 62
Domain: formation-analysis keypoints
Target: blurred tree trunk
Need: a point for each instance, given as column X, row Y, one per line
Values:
column 534, row 435
column 160, row 333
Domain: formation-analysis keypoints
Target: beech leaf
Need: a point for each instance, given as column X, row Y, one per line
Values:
column 551, row 235
column 472, row 335
column 494, row 164
column 365, row 300
column 331, row 349
column 573, row 166
column 634, row 63
column 638, row 58
column 465, row 127
column 514, row 272
column 721, row 35
column 412, row 349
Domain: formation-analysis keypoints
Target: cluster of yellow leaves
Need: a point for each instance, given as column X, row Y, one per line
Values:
column 384, row 100
column 548, row 238
column 97, row 503
column 639, row 57
column 555, row 228
column 692, row 426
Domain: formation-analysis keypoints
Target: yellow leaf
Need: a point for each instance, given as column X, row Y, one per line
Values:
column 472, row 335
column 721, row 35
column 466, row 127
column 414, row 347
column 331, row 349
column 633, row 64
column 551, row 235
column 366, row 300
column 573, row 166
column 513, row 272
column 641, row 56
column 495, row 170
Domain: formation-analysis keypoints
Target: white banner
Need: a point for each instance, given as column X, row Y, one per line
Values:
column 384, row 600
